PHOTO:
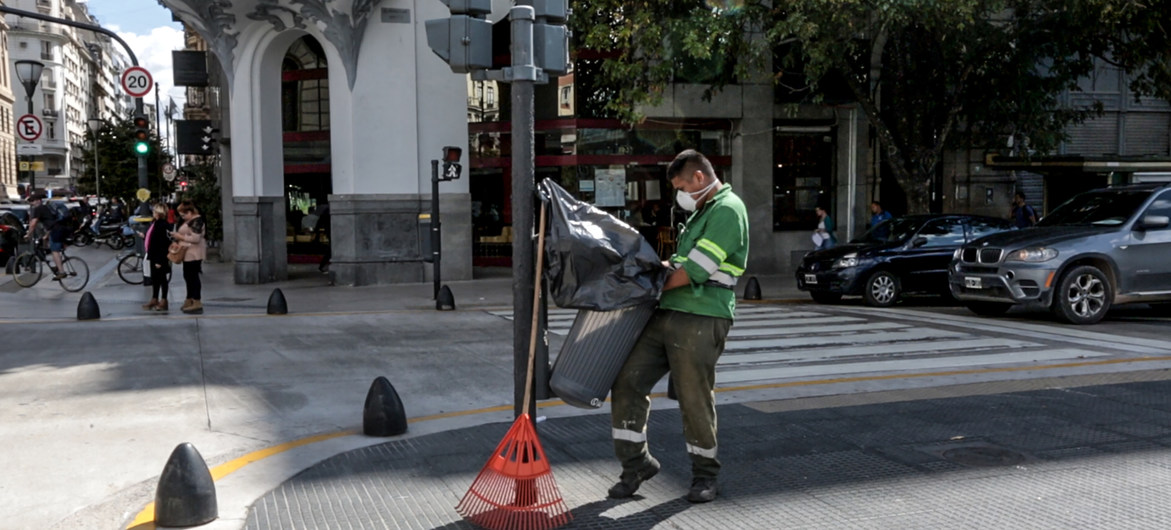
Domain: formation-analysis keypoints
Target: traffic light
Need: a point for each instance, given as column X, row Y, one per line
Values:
column 464, row 41
column 550, row 36
column 451, row 167
column 141, row 135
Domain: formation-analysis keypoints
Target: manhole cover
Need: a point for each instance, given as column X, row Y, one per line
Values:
column 983, row 456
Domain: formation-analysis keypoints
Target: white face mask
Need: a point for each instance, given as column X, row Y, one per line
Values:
column 687, row 201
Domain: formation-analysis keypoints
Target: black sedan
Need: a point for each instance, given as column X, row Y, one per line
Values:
column 902, row 255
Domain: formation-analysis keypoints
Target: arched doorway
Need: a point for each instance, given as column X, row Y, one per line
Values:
column 305, row 130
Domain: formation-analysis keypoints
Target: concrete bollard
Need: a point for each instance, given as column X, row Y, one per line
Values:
column 445, row 301
column 752, row 290
column 277, row 304
column 87, row 307
column 186, row 493
column 383, row 414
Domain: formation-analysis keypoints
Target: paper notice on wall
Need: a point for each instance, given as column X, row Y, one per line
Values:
column 610, row 187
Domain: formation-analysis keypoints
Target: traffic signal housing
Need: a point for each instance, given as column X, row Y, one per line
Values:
column 551, row 36
column 463, row 41
column 141, row 135
column 451, row 166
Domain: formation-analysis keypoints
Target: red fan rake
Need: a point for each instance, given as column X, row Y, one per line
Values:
column 516, row 490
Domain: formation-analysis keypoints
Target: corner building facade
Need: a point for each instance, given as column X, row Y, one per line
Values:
column 371, row 107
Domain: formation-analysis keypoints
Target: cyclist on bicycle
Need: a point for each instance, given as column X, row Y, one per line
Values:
column 44, row 215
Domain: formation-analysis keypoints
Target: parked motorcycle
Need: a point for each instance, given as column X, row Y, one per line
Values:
column 116, row 236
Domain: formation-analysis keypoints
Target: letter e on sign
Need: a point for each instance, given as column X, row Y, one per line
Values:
column 137, row 81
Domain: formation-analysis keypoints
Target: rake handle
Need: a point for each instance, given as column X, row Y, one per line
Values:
column 536, row 311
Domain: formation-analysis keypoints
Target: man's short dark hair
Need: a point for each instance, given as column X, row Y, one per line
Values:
column 688, row 161
column 1021, row 194
column 876, row 203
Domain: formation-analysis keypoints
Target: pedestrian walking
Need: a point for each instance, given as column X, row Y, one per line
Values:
column 320, row 230
column 157, row 241
column 877, row 216
column 686, row 334
column 823, row 236
column 1023, row 215
column 191, row 234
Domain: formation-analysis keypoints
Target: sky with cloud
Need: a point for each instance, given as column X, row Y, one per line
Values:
column 148, row 29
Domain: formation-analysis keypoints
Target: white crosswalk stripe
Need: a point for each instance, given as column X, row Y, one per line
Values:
column 774, row 343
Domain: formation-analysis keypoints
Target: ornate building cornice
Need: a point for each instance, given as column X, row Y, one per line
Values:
column 216, row 21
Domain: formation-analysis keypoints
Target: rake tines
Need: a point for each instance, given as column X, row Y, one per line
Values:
column 516, row 490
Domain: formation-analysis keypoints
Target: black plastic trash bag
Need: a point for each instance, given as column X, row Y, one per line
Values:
column 596, row 261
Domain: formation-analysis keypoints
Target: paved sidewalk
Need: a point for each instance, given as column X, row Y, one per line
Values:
column 1094, row 456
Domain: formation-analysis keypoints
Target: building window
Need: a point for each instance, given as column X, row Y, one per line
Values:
column 802, row 178
column 566, row 96
column 491, row 95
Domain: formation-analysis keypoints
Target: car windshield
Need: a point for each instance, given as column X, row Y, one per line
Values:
column 1097, row 208
column 891, row 230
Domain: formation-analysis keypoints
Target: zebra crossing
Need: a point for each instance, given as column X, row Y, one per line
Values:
column 775, row 343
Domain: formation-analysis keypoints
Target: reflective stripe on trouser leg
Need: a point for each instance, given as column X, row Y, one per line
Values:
column 692, row 352
column 630, row 401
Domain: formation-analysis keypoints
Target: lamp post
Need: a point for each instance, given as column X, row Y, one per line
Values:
column 95, row 125
column 29, row 73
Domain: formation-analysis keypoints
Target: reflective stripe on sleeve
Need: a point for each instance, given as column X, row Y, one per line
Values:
column 713, row 248
column 706, row 453
column 701, row 259
column 723, row 278
column 627, row 435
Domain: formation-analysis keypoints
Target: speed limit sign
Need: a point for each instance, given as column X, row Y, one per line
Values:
column 137, row 81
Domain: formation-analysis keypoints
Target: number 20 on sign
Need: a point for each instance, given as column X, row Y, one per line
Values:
column 137, row 81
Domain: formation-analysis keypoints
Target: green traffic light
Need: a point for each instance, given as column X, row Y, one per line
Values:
column 141, row 148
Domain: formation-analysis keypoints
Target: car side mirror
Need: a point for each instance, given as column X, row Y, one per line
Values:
column 1153, row 222
column 918, row 242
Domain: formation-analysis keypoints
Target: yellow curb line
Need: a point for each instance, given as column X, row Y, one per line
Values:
column 145, row 518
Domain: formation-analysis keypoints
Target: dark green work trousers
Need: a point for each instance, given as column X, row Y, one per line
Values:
column 688, row 347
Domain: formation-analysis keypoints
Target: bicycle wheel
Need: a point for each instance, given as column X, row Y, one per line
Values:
column 76, row 274
column 27, row 270
column 130, row 269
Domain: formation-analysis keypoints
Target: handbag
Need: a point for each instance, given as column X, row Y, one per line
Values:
column 176, row 252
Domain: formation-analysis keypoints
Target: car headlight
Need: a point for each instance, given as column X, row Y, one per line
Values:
column 956, row 255
column 847, row 261
column 1032, row 255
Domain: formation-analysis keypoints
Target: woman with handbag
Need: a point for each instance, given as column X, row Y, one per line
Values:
column 190, row 236
column 158, row 240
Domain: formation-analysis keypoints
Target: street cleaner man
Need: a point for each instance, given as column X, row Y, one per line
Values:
column 686, row 335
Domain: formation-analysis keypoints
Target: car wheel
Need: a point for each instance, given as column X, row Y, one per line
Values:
column 882, row 289
column 988, row 309
column 826, row 298
column 1083, row 295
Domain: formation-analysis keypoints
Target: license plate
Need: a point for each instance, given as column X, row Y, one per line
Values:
column 973, row 283
column 811, row 279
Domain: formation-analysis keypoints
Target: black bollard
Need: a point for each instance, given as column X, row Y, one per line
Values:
column 186, row 492
column 445, row 301
column 277, row 304
column 752, row 290
column 383, row 414
column 87, row 307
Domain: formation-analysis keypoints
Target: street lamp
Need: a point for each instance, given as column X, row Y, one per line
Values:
column 29, row 73
column 95, row 125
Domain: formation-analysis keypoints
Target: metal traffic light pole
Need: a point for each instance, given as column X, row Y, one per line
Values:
column 97, row 29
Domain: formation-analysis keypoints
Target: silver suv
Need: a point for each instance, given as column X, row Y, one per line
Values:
column 1100, row 248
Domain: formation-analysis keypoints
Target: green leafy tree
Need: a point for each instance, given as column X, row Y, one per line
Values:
column 118, row 164
column 931, row 75
column 203, row 189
